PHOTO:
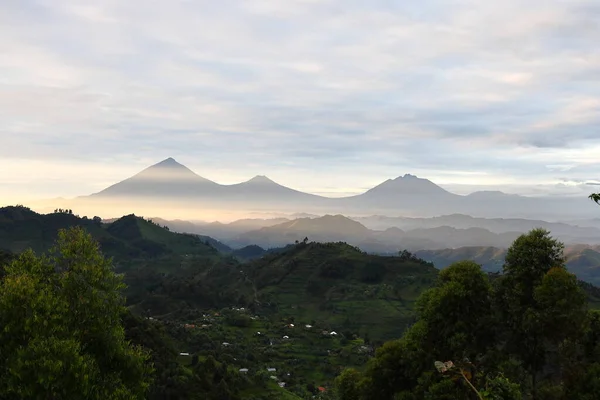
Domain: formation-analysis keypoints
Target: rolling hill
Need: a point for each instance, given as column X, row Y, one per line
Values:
column 338, row 285
column 334, row 228
column 568, row 233
column 126, row 238
column 582, row 260
column 168, row 273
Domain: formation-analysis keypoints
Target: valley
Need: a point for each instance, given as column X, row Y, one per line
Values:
column 283, row 303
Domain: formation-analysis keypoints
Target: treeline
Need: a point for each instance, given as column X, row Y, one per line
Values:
column 528, row 334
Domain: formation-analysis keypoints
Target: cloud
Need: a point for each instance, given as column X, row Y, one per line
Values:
column 306, row 91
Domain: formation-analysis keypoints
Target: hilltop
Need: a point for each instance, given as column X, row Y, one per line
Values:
column 126, row 238
column 337, row 284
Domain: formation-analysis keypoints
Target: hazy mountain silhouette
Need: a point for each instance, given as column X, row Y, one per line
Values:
column 334, row 228
column 267, row 192
column 172, row 186
column 329, row 228
column 567, row 233
column 582, row 260
column 168, row 178
column 407, row 185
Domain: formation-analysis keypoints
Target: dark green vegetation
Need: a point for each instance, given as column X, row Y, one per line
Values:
column 525, row 334
column 128, row 238
column 312, row 312
column 180, row 280
column 338, row 285
column 60, row 336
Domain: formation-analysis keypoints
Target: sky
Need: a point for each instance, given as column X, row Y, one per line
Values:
column 330, row 97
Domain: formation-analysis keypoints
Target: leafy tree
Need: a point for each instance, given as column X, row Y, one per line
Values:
column 562, row 306
column 62, row 336
column 539, row 302
column 346, row 385
column 453, row 319
column 595, row 197
column 457, row 312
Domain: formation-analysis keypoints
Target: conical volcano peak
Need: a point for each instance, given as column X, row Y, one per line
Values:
column 261, row 179
column 169, row 162
column 407, row 184
column 166, row 178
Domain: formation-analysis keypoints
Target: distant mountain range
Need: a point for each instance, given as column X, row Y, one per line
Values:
column 172, row 190
column 380, row 233
column 135, row 238
column 582, row 260
column 337, row 228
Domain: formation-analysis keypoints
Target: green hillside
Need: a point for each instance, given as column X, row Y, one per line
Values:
column 127, row 238
column 308, row 310
column 21, row 228
column 337, row 284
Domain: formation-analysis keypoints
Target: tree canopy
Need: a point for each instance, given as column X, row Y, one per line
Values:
column 525, row 334
column 62, row 335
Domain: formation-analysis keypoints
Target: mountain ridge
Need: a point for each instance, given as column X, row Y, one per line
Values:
column 169, row 184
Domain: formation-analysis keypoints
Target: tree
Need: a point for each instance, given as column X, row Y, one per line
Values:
column 595, row 197
column 346, row 385
column 531, row 301
column 453, row 320
column 562, row 306
column 457, row 312
column 62, row 335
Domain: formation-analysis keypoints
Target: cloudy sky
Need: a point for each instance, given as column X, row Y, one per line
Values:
column 325, row 96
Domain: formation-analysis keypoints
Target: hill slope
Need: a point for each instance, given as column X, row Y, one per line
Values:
column 582, row 260
column 338, row 285
column 333, row 228
column 126, row 238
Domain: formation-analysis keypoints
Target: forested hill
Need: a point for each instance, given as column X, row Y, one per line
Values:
column 168, row 273
column 340, row 284
column 129, row 237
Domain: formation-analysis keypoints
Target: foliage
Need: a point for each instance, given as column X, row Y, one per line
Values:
column 346, row 384
column 527, row 331
column 62, row 336
column 524, row 334
column 540, row 304
column 457, row 312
